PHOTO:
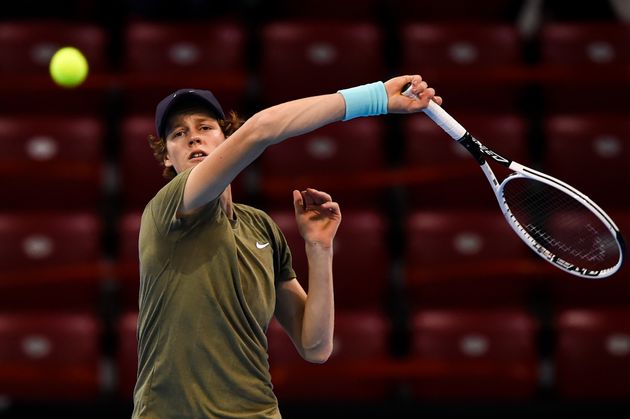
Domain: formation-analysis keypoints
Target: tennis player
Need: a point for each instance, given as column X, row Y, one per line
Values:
column 214, row 272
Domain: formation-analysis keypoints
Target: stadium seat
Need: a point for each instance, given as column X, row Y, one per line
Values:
column 466, row 259
column 599, row 143
column 361, row 265
column 50, row 356
column 485, row 354
column 324, row 9
column 357, row 370
column 303, row 58
column 494, row 11
column 444, row 174
column 141, row 174
column 573, row 52
column 342, row 159
column 592, row 353
column 26, row 47
column 50, row 260
column 209, row 55
column 128, row 273
column 51, row 162
column 471, row 66
column 127, row 354
column 568, row 291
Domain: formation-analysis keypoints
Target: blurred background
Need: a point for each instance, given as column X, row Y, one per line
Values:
column 441, row 310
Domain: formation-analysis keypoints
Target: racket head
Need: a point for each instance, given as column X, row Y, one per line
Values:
column 561, row 224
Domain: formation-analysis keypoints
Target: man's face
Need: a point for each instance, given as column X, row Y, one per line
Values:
column 190, row 137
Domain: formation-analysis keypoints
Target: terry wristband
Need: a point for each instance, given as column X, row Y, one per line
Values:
column 365, row 100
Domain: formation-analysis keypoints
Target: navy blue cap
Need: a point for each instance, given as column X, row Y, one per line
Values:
column 166, row 105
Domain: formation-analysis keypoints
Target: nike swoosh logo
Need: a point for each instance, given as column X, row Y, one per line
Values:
column 261, row 246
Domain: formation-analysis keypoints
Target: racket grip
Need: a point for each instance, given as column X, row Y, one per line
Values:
column 440, row 117
column 445, row 121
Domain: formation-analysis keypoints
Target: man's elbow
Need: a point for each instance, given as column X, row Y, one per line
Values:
column 318, row 355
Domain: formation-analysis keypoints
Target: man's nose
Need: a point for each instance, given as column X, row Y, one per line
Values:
column 194, row 140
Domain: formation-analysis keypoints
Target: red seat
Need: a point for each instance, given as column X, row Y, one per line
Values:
column 450, row 55
column 342, row 159
column 26, row 48
column 51, row 162
column 325, row 9
column 303, row 58
column 127, row 354
column 567, row 291
column 599, row 142
column 444, row 174
column 361, row 257
column 50, row 356
column 128, row 273
column 470, row 258
column 356, row 370
column 50, row 260
column 493, row 11
column 209, row 55
column 592, row 354
column 140, row 173
column 474, row 354
column 571, row 52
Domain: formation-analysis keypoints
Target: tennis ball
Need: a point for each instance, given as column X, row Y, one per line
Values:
column 68, row 67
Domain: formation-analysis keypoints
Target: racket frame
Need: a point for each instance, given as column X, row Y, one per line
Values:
column 480, row 152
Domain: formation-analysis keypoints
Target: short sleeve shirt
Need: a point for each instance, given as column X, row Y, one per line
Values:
column 207, row 294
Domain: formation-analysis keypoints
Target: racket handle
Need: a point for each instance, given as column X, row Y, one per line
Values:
column 440, row 116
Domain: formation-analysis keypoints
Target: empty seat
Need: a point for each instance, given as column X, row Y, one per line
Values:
column 567, row 291
column 128, row 263
column 50, row 260
column 494, row 11
column 598, row 142
column 464, row 354
column 303, row 58
column 450, row 55
column 50, row 356
column 592, row 353
column 127, row 354
column 342, row 159
column 358, row 368
column 571, row 52
column 444, row 174
column 324, row 9
column 361, row 266
column 51, row 162
column 140, row 173
column 26, row 48
column 209, row 55
column 466, row 258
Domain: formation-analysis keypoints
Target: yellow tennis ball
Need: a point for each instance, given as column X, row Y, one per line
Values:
column 68, row 67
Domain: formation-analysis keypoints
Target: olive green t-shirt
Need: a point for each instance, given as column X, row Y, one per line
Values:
column 207, row 295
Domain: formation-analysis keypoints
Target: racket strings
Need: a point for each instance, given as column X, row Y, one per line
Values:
column 561, row 224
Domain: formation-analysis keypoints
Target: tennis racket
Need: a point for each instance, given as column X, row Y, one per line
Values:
column 561, row 224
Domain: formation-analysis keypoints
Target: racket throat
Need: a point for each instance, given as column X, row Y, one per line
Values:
column 480, row 151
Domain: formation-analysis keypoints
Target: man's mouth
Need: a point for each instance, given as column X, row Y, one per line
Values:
column 196, row 155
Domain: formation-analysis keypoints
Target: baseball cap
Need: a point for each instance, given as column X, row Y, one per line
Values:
column 166, row 105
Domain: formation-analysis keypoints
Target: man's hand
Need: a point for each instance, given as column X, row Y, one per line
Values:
column 398, row 103
column 317, row 216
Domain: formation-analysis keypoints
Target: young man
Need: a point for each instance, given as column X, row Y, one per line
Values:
column 214, row 272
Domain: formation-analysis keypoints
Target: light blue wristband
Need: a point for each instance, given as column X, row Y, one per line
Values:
column 365, row 100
